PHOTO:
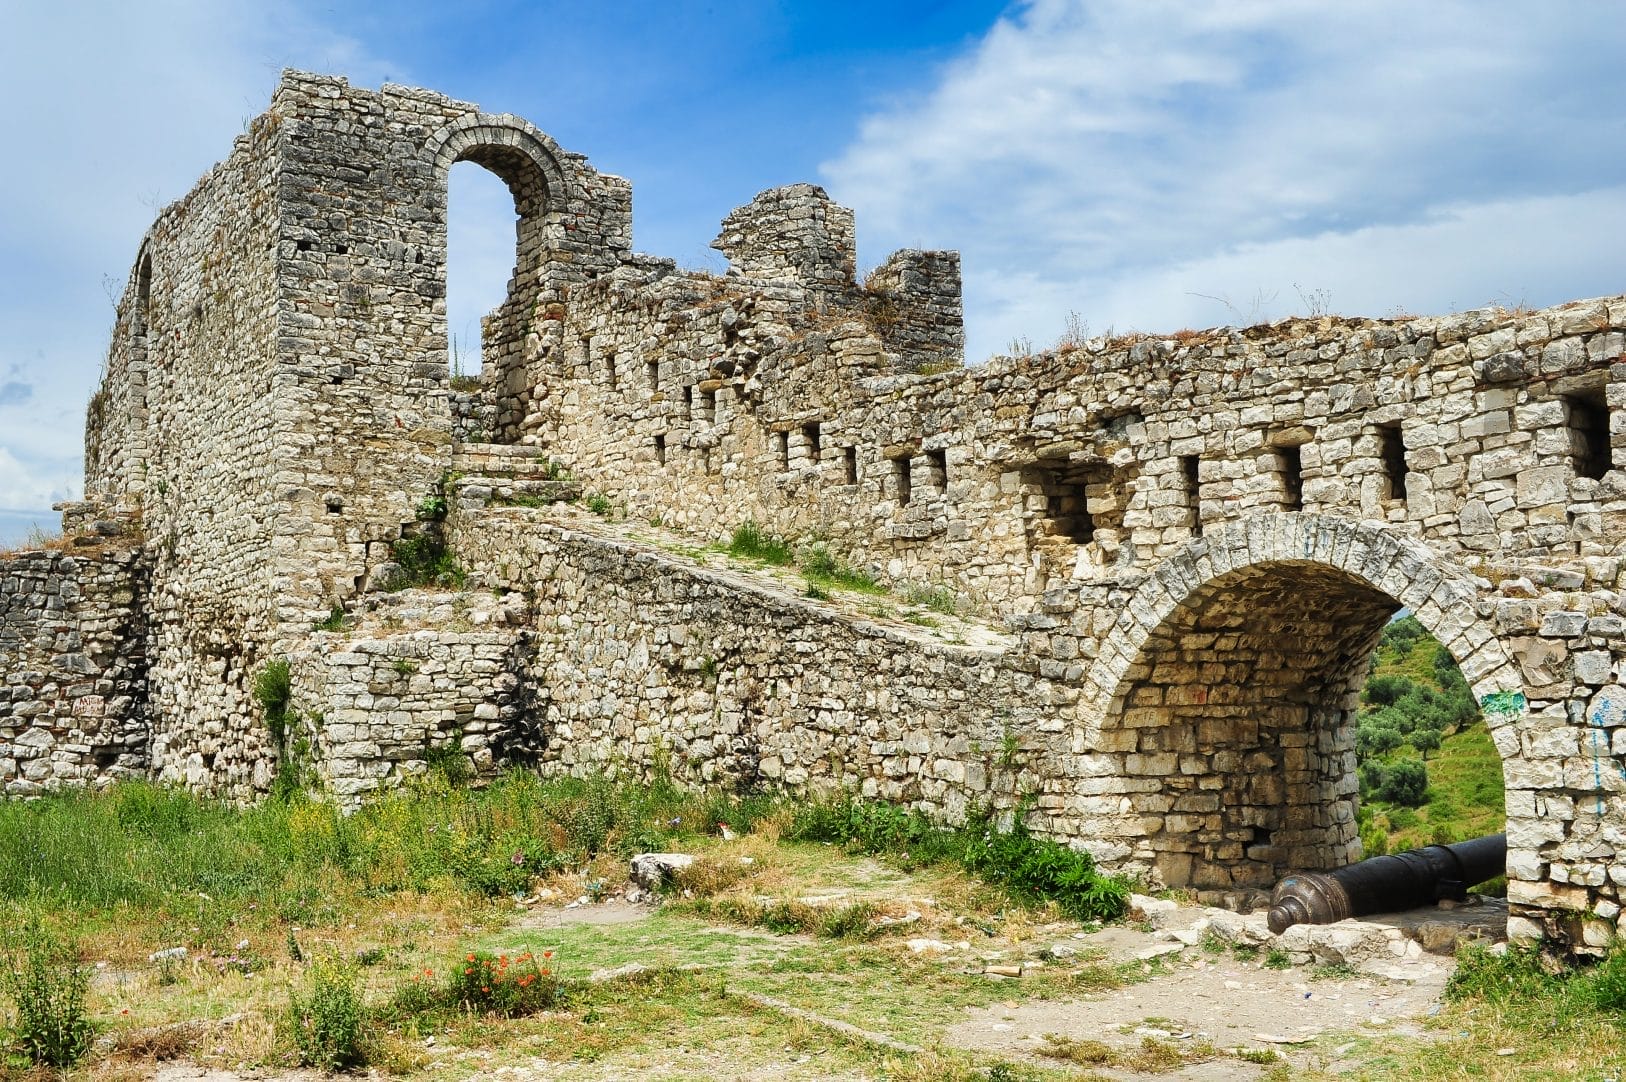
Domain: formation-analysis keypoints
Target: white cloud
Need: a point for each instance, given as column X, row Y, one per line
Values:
column 1115, row 156
column 116, row 109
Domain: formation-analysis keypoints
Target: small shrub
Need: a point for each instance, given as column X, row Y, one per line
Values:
column 937, row 598
column 494, row 984
column 327, row 1022
column 47, row 984
column 426, row 561
column 599, row 504
column 273, row 691
column 334, row 620
column 447, row 762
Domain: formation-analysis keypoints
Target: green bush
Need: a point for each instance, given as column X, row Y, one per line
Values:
column 273, row 692
column 1032, row 869
column 426, row 561
column 327, row 1023
column 1027, row 868
column 47, row 985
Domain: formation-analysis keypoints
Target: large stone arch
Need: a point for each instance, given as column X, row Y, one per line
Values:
column 531, row 165
column 1225, row 695
column 526, row 160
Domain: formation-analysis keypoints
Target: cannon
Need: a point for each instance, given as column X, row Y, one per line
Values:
column 1387, row 884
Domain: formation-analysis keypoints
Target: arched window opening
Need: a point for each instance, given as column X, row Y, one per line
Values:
column 481, row 262
column 140, row 316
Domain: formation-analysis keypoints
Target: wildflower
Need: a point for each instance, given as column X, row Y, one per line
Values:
column 518, row 858
column 547, row 954
column 471, row 957
column 469, row 971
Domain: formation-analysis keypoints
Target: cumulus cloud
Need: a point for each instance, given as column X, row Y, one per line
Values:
column 1115, row 157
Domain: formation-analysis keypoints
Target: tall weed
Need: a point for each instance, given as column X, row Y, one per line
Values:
column 327, row 1021
column 47, row 985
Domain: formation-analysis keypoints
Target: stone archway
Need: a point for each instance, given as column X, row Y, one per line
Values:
column 529, row 163
column 1229, row 691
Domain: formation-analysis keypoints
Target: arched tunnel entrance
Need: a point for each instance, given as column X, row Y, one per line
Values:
column 1244, row 710
column 1233, row 713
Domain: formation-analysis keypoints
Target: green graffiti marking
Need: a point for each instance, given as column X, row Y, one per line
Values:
column 1503, row 702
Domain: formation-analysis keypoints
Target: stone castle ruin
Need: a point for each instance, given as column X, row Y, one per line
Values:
column 1169, row 557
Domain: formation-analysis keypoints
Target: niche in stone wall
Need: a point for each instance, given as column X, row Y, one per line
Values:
column 1586, row 415
column 1286, row 463
column 1084, row 502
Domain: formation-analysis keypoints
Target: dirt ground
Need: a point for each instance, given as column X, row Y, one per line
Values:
column 1194, row 991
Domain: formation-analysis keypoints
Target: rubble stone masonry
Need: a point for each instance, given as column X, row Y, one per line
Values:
column 1169, row 555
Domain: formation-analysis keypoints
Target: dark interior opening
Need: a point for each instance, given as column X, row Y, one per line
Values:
column 1393, row 451
column 1588, row 417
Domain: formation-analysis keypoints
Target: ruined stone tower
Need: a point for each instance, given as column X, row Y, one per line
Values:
column 1169, row 557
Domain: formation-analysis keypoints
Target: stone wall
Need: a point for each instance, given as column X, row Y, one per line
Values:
column 422, row 674
column 73, row 697
column 636, row 654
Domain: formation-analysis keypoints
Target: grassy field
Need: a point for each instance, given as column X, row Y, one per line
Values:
column 433, row 931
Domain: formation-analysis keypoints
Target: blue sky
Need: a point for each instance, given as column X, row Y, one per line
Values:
column 1139, row 164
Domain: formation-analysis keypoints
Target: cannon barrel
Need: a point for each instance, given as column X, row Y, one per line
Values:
column 1387, row 884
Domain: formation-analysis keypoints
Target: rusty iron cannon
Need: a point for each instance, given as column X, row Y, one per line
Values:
column 1387, row 884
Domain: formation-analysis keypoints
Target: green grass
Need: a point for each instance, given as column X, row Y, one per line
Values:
column 749, row 542
column 143, row 845
column 1029, row 869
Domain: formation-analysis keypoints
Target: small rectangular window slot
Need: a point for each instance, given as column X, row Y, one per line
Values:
column 653, row 369
column 1290, row 475
column 901, row 481
column 303, row 246
column 1191, row 475
column 810, row 436
column 782, row 444
column 688, row 403
column 1393, row 451
column 1587, row 416
column 849, row 460
column 937, row 467
column 341, row 249
column 708, row 406
column 1078, row 498
column 660, row 449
